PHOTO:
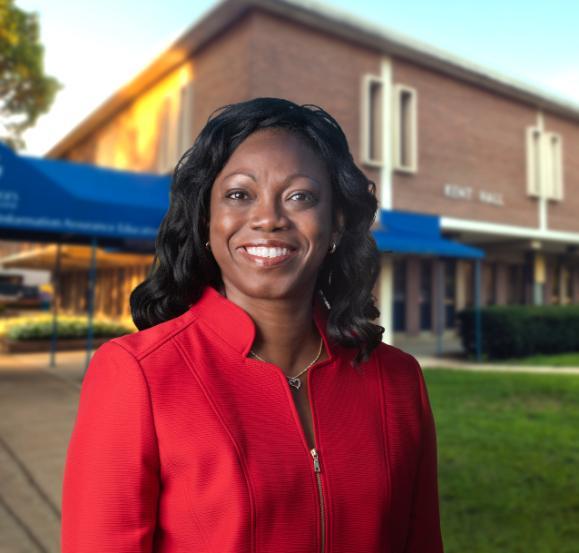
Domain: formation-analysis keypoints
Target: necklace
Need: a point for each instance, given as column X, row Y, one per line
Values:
column 294, row 381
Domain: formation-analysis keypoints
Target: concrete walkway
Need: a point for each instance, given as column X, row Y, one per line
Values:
column 458, row 364
column 37, row 409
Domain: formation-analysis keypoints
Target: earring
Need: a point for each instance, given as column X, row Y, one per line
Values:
column 333, row 247
column 207, row 245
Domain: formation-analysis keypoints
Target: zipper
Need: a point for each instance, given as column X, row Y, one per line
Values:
column 317, row 471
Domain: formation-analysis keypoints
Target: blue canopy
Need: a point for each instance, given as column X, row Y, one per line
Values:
column 408, row 232
column 46, row 197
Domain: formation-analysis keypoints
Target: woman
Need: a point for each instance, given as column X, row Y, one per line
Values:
column 257, row 409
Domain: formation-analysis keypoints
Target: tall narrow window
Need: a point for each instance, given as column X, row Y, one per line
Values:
column 533, row 161
column 544, row 164
column 372, row 117
column 399, row 298
column 163, row 137
column 555, row 166
column 185, row 123
column 405, row 139
column 449, row 292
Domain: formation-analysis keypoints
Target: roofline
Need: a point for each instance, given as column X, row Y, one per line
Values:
column 334, row 21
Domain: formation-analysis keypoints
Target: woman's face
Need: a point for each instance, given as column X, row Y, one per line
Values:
column 271, row 217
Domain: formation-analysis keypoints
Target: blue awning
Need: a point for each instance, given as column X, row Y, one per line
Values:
column 418, row 233
column 53, row 197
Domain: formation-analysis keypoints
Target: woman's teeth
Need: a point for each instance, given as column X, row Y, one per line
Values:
column 261, row 251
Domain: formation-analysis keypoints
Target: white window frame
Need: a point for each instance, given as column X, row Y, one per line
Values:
column 165, row 135
column 368, row 119
column 534, row 161
column 397, row 135
column 185, row 122
column 544, row 164
column 554, row 165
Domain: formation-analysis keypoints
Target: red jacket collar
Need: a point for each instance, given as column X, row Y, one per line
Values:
column 236, row 326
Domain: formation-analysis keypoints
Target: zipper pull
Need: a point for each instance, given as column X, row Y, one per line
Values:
column 316, row 459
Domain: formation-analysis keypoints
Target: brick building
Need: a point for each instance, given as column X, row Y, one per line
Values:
column 497, row 161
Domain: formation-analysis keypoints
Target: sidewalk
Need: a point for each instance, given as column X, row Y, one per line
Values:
column 455, row 363
column 37, row 410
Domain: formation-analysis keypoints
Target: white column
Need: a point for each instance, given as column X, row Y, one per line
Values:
column 386, row 168
column 386, row 287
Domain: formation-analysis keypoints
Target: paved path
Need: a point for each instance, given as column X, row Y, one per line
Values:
column 457, row 364
column 37, row 409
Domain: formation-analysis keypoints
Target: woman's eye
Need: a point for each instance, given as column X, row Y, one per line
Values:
column 236, row 195
column 302, row 196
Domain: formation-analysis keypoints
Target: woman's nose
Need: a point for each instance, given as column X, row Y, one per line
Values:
column 268, row 215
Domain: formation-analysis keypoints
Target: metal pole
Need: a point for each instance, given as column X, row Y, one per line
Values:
column 90, row 301
column 477, row 311
column 55, row 295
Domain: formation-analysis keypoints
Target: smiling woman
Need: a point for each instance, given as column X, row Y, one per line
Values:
column 253, row 161
column 257, row 408
column 276, row 216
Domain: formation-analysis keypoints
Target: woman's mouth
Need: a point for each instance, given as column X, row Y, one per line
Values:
column 266, row 256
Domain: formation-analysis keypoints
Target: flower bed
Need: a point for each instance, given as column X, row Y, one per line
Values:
column 27, row 334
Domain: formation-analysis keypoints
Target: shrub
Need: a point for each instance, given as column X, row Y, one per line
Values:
column 522, row 330
column 40, row 328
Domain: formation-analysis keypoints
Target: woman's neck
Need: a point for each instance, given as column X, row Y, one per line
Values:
column 286, row 334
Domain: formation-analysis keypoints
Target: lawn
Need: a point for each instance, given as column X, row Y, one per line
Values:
column 508, row 449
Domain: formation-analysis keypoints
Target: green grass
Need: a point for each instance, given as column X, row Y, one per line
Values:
column 508, row 447
column 554, row 360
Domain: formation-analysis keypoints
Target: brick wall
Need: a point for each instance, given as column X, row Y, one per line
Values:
column 308, row 66
column 468, row 137
column 563, row 215
column 222, row 71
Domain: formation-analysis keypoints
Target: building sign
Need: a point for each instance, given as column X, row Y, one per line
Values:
column 469, row 194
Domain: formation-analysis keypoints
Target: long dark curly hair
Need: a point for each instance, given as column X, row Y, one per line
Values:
column 182, row 266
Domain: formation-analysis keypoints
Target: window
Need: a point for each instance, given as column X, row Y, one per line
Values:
column 554, row 167
column 185, row 123
column 425, row 297
column 165, row 140
column 372, row 120
column 516, row 285
column 490, row 283
column 449, row 292
column 405, row 143
column 399, row 298
column 533, row 161
column 544, row 164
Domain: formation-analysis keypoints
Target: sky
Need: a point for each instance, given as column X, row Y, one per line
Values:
column 93, row 47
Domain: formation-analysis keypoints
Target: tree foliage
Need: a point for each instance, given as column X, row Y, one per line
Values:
column 26, row 92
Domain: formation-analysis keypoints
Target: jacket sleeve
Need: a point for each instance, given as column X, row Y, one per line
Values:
column 425, row 534
column 111, row 476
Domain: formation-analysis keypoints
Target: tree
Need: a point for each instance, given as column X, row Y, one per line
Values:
column 26, row 92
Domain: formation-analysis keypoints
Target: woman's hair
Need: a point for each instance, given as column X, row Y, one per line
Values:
column 183, row 266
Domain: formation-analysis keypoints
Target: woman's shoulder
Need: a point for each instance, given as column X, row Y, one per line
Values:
column 394, row 359
column 399, row 370
column 142, row 342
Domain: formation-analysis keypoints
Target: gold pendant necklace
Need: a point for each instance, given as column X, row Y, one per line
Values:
column 294, row 381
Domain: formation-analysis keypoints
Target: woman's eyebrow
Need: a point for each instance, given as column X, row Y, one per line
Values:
column 286, row 181
column 250, row 175
column 302, row 175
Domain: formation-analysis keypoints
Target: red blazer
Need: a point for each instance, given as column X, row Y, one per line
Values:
column 183, row 444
